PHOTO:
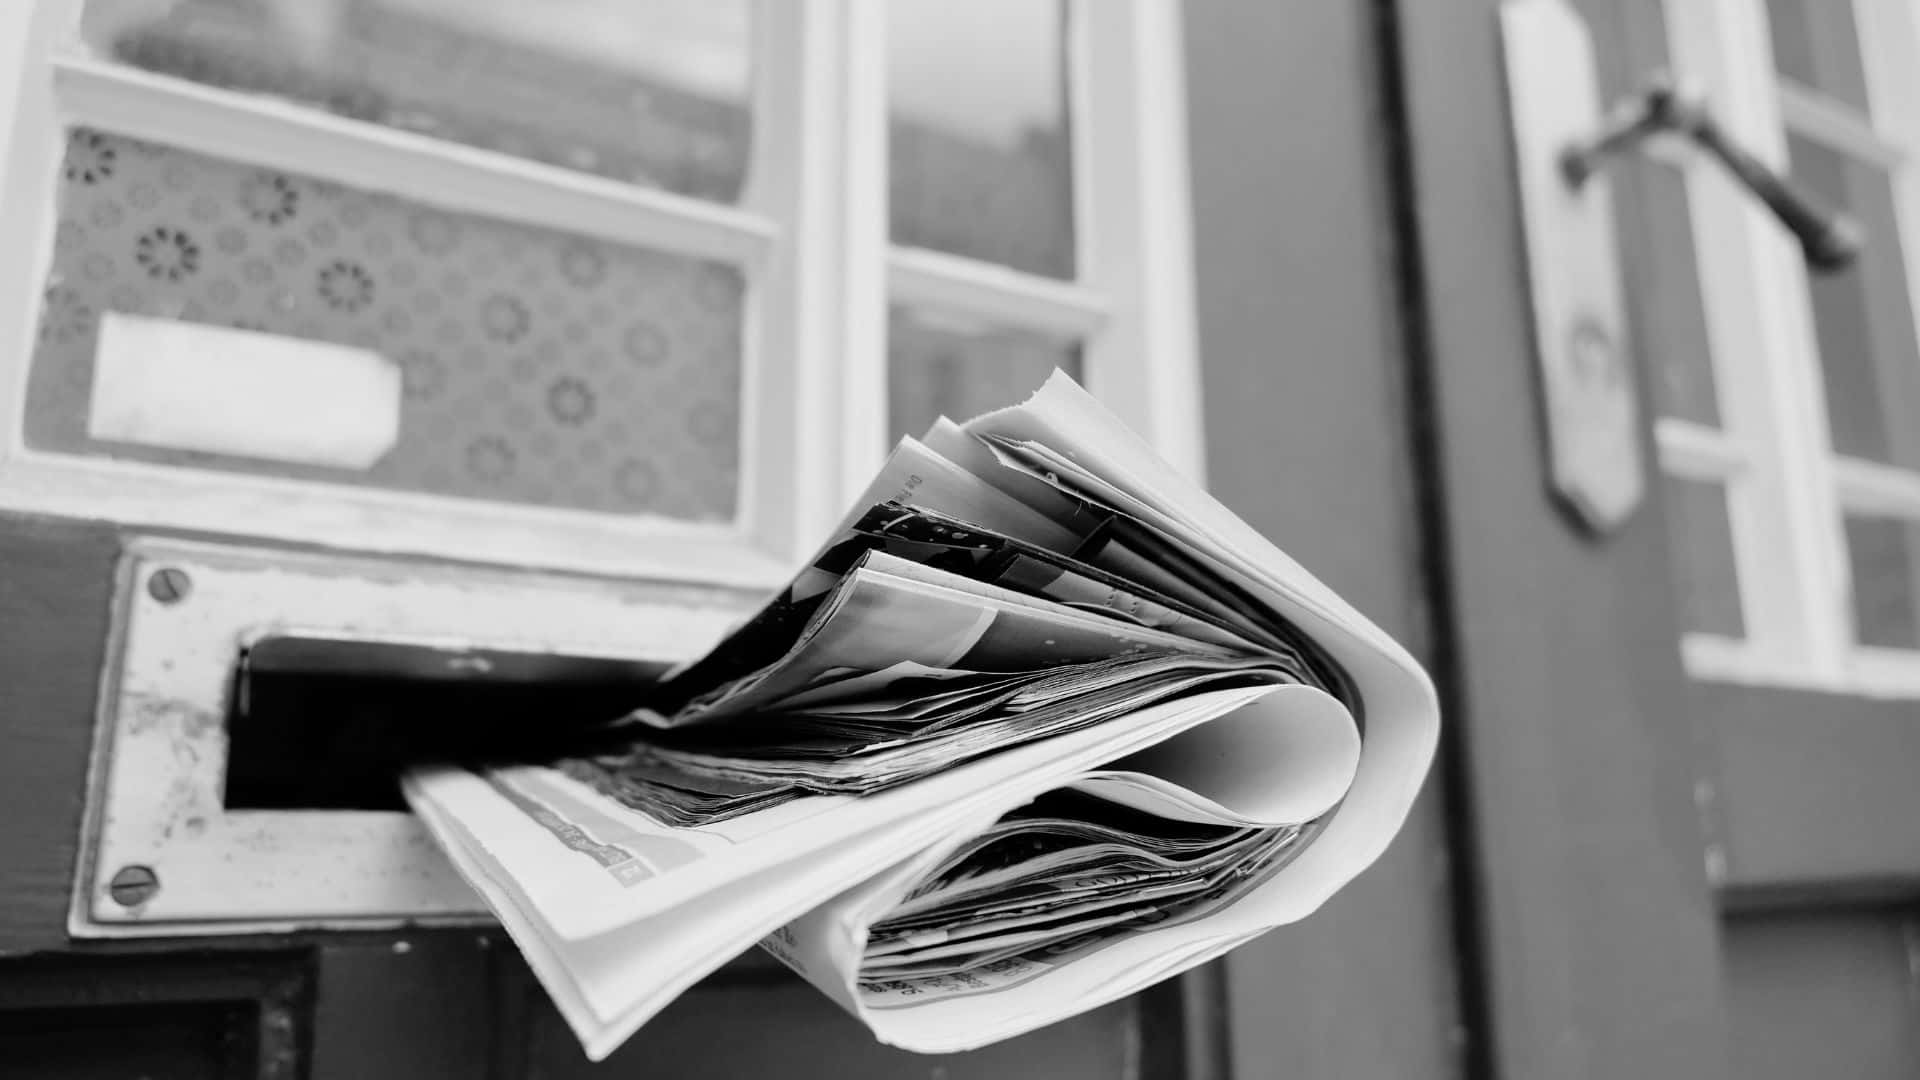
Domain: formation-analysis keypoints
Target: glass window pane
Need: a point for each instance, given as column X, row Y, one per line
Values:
column 979, row 154
column 1863, row 316
column 539, row 367
column 1704, row 569
column 653, row 92
column 1881, row 552
column 954, row 366
column 1816, row 43
column 1674, row 312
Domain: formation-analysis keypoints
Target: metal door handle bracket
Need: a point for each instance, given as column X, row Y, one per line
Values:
column 1582, row 343
column 1831, row 239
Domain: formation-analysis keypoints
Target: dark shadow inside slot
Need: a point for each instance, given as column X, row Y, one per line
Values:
column 187, row 1038
column 325, row 724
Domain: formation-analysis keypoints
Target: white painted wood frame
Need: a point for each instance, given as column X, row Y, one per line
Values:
column 810, row 233
column 1132, row 308
column 1787, row 489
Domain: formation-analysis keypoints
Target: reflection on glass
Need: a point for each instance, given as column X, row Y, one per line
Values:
column 538, row 367
column 952, row 366
column 1683, row 383
column 1881, row 551
column 979, row 156
column 652, row 92
column 1863, row 316
column 1704, row 571
column 1816, row 43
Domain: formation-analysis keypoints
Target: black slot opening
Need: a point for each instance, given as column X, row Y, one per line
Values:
column 325, row 724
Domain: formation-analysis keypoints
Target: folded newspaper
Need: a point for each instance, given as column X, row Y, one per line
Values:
column 1041, row 724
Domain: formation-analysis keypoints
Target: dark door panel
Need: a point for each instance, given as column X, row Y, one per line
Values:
column 215, row 1016
column 1308, row 408
column 56, row 582
column 1811, row 791
column 769, row 1023
column 1824, row 993
column 1598, row 935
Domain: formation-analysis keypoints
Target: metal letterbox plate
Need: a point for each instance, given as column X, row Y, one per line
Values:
column 162, row 854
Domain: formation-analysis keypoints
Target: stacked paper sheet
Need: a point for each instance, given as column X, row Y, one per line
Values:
column 1040, row 724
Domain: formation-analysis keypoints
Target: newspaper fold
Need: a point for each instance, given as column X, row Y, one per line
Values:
column 1040, row 725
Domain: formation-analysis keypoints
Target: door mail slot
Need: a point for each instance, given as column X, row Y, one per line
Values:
column 259, row 705
column 320, row 723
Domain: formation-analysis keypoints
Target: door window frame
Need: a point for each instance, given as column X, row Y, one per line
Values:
column 810, row 232
column 1787, row 490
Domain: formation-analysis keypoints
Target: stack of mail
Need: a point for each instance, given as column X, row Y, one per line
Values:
column 1039, row 725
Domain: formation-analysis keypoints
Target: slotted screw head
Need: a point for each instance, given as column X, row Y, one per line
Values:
column 169, row 585
column 133, row 886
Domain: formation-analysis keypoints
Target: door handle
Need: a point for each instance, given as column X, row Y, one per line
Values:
column 1564, row 133
column 1582, row 343
column 1830, row 239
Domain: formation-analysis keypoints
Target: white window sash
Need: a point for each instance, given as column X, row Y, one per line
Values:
column 1787, row 498
column 1132, row 306
column 811, row 233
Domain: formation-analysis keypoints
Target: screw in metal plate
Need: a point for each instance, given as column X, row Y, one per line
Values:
column 169, row 585
column 133, row 886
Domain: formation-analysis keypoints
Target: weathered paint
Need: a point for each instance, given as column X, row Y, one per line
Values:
column 161, row 753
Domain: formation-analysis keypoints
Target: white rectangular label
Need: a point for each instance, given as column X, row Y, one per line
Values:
column 184, row 386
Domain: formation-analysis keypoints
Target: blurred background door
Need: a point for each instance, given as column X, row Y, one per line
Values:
column 662, row 280
column 1691, row 743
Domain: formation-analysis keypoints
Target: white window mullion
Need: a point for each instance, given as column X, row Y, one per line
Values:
column 1892, row 70
column 306, row 141
column 857, row 247
column 1882, row 672
column 1805, row 111
column 29, row 185
column 1891, row 28
column 1136, row 219
column 1889, row 32
column 1785, row 523
column 996, row 293
column 1698, row 451
column 1869, row 487
column 1802, row 438
column 817, row 342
